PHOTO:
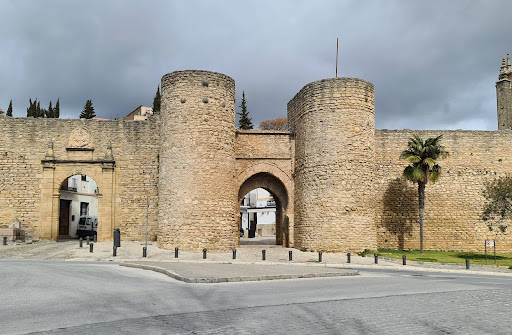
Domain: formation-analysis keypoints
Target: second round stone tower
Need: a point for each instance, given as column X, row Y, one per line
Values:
column 197, row 160
column 333, row 121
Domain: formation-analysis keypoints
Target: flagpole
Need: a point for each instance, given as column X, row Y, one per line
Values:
column 336, row 57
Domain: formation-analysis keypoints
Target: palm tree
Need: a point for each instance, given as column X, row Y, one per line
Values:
column 423, row 158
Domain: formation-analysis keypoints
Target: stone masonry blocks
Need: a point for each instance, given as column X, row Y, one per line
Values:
column 334, row 157
column 197, row 162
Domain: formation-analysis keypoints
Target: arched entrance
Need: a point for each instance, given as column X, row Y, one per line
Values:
column 277, row 189
column 78, row 202
column 55, row 173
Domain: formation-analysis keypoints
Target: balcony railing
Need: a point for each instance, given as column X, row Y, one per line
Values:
column 67, row 188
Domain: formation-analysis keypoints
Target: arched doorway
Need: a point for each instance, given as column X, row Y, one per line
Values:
column 277, row 189
column 78, row 206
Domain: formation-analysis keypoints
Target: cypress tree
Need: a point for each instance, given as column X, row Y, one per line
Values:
column 49, row 112
column 156, row 101
column 39, row 111
column 56, row 110
column 30, row 109
column 9, row 110
column 245, row 121
column 88, row 112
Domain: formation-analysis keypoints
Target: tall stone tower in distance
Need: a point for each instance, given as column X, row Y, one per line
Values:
column 504, row 95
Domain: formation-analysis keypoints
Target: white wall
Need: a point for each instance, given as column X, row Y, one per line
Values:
column 85, row 193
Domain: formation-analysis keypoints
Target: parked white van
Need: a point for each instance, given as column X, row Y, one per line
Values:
column 87, row 226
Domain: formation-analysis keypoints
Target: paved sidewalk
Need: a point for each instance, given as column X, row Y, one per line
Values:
column 228, row 272
column 221, row 267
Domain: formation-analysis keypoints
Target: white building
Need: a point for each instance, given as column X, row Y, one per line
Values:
column 78, row 196
column 258, row 211
column 140, row 113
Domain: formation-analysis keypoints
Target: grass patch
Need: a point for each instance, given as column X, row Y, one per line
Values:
column 367, row 252
column 448, row 256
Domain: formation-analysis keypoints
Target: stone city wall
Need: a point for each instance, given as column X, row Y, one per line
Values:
column 454, row 204
column 24, row 145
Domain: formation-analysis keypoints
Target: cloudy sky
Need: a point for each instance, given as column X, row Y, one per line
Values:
column 434, row 64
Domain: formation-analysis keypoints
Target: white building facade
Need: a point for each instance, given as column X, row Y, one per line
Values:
column 258, row 213
column 78, row 197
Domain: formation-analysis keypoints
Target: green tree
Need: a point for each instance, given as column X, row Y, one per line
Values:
column 39, row 112
column 423, row 168
column 32, row 108
column 245, row 121
column 49, row 112
column 9, row 109
column 498, row 207
column 56, row 110
column 157, row 101
column 88, row 112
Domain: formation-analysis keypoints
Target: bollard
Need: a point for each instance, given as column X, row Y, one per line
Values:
column 95, row 239
column 348, row 257
column 467, row 263
column 81, row 241
column 290, row 255
column 376, row 256
column 114, row 253
column 87, row 239
column 117, row 238
column 404, row 260
column 319, row 257
column 144, row 252
column 176, row 252
column 204, row 253
column 263, row 255
column 91, row 246
column 4, row 242
column 234, row 253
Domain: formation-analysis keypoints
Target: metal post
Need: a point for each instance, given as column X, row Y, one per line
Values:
column 204, row 253
column 376, row 256
column 404, row 260
column 467, row 263
column 348, row 257
column 147, row 222
column 234, row 253
column 176, row 252
column 81, row 242
column 114, row 253
column 319, row 257
column 95, row 239
column 144, row 252
column 263, row 255
column 91, row 246
column 87, row 239
column 4, row 242
column 494, row 242
column 290, row 255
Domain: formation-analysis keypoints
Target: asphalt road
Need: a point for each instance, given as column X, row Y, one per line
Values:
column 104, row 298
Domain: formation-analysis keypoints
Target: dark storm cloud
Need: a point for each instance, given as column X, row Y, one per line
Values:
column 433, row 63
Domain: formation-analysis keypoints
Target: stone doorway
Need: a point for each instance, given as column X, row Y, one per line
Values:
column 279, row 194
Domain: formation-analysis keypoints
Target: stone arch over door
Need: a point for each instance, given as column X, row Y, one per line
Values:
column 54, row 173
column 279, row 184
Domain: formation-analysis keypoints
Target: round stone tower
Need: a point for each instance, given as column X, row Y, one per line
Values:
column 333, row 120
column 197, row 160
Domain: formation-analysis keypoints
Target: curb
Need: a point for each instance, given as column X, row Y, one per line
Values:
column 237, row 279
